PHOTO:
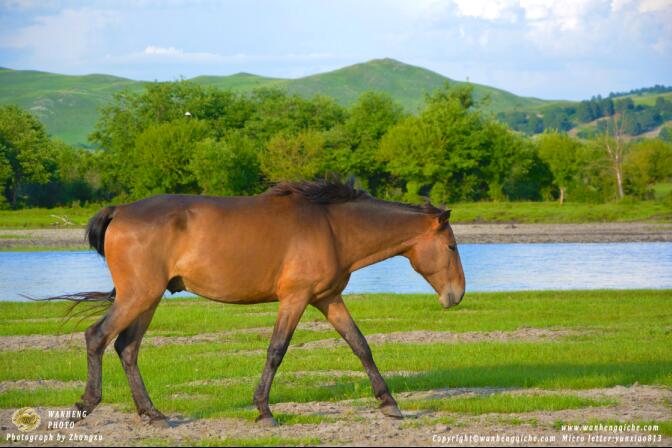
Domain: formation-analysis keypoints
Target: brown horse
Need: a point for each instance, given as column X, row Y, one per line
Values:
column 297, row 244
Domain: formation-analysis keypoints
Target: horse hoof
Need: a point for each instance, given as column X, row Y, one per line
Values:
column 80, row 412
column 392, row 411
column 161, row 423
column 266, row 421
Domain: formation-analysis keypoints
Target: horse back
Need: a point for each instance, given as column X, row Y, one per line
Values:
column 227, row 248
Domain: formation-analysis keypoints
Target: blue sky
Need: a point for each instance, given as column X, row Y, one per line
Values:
column 569, row 49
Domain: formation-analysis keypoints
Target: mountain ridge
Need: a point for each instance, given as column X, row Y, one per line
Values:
column 68, row 104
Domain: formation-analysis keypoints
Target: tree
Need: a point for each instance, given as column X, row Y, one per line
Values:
column 562, row 155
column 351, row 148
column 293, row 156
column 666, row 134
column 162, row 157
column 450, row 151
column 275, row 111
column 229, row 166
column 613, row 144
column 648, row 162
column 133, row 113
column 26, row 154
column 584, row 112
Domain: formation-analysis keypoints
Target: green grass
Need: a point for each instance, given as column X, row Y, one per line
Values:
column 622, row 337
column 569, row 212
column 35, row 218
column 662, row 189
column 647, row 99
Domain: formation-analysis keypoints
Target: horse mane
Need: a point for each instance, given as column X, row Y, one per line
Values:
column 337, row 192
column 320, row 191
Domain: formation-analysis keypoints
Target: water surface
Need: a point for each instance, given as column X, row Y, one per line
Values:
column 488, row 267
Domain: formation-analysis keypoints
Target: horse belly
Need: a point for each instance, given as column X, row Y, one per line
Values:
column 232, row 273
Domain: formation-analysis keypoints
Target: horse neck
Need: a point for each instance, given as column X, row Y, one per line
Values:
column 371, row 231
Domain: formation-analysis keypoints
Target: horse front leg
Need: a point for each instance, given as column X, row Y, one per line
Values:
column 289, row 314
column 337, row 314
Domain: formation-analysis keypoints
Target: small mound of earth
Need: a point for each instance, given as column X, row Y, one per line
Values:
column 433, row 337
column 25, row 385
column 76, row 340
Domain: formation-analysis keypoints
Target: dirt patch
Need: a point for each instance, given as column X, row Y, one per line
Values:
column 347, row 423
column 76, row 340
column 57, row 238
column 24, row 385
column 41, row 342
column 434, row 337
column 562, row 233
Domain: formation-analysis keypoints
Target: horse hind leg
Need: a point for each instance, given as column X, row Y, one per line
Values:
column 121, row 314
column 127, row 346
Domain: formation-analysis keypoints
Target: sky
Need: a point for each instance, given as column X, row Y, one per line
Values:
column 551, row 49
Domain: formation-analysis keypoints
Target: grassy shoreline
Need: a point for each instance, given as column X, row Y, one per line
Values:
column 653, row 211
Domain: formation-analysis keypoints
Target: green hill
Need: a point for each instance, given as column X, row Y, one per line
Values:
column 406, row 83
column 239, row 81
column 68, row 105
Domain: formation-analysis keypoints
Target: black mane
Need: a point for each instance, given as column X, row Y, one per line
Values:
column 337, row 192
column 319, row 192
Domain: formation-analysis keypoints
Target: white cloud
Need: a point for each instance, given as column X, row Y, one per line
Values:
column 654, row 6
column 488, row 9
column 176, row 54
column 69, row 37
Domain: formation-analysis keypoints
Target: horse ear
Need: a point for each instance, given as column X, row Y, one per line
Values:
column 443, row 218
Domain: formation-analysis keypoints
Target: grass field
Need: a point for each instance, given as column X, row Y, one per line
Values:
column 36, row 218
column 503, row 212
column 606, row 339
column 569, row 212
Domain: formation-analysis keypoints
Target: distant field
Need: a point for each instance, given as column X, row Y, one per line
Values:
column 527, row 361
column 36, row 218
column 648, row 99
column 553, row 212
column 663, row 189
column 495, row 212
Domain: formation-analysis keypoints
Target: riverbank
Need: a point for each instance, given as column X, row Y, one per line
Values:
column 73, row 238
column 521, row 364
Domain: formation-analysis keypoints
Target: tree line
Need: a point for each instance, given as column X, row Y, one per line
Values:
column 637, row 118
column 179, row 137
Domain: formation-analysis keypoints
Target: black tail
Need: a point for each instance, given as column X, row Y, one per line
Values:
column 95, row 229
column 95, row 233
column 101, row 301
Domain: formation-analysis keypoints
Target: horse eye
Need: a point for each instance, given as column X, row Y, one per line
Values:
column 453, row 247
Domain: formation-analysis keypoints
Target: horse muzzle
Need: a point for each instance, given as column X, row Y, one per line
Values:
column 450, row 298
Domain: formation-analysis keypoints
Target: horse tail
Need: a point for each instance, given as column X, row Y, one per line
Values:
column 95, row 234
column 100, row 301
column 95, row 229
